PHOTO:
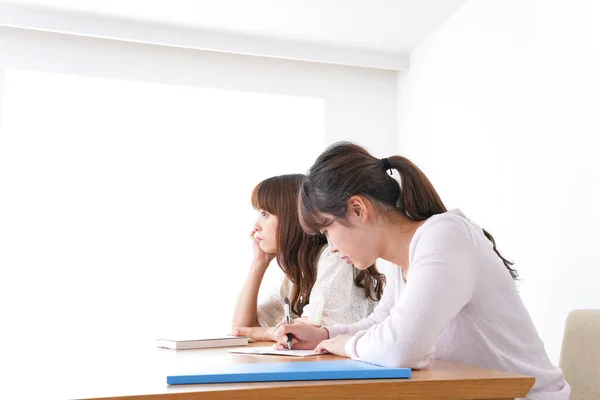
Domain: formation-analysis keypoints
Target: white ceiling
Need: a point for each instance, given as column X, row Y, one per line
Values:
column 390, row 26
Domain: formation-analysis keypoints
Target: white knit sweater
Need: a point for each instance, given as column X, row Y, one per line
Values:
column 334, row 297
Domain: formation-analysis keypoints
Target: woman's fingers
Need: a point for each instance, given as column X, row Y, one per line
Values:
column 322, row 347
column 244, row 331
column 282, row 322
column 253, row 332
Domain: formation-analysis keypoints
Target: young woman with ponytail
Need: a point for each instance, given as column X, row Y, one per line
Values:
column 323, row 287
column 453, row 296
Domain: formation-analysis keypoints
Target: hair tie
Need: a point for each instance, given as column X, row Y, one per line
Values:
column 387, row 165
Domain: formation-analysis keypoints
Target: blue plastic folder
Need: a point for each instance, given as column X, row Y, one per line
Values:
column 291, row 371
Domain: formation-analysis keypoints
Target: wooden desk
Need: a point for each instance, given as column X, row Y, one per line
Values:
column 127, row 375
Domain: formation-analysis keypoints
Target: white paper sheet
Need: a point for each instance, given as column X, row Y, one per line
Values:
column 271, row 351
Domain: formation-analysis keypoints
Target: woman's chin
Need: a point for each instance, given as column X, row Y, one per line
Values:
column 358, row 265
column 267, row 249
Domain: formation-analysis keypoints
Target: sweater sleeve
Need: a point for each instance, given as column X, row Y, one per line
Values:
column 440, row 282
column 270, row 311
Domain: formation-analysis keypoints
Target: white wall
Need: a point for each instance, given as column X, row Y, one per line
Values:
column 500, row 108
column 64, row 135
column 360, row 103
column 106, row 238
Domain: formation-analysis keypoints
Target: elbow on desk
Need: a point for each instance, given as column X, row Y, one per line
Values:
column 403, row 359
column 394, row 353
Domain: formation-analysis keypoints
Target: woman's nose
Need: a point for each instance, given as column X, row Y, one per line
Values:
column 332, row 247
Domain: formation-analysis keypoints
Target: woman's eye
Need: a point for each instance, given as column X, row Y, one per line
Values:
column 263, row 214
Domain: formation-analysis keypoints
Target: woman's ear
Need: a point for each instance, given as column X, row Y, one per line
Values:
column 358, row 209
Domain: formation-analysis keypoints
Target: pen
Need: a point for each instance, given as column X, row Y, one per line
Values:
column 286, row 313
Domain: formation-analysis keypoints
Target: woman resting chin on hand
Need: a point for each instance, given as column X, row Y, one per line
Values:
column 323, row 287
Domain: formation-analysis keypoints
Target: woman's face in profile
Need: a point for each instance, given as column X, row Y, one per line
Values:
column 265, row 233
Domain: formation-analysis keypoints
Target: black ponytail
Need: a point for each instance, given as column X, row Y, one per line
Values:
column 346, row 169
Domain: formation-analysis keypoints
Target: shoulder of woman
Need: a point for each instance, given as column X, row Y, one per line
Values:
column 446, row 227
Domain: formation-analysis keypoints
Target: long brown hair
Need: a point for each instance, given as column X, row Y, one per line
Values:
column 346, row 169
column 297, row 251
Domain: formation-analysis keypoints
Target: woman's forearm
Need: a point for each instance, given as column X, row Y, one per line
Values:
column 245, row 312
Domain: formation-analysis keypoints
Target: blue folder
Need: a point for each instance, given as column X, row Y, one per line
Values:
column 291, row 371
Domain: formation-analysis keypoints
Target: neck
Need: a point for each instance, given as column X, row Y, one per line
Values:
column 397, row 234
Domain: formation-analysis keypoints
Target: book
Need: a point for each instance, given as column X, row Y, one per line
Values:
column 202, row 343
column 271, row 351
column 290, row 371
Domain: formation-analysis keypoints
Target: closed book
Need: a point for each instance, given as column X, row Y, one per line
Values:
column 202, row 343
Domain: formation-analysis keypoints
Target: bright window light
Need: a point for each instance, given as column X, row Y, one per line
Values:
column 125, row 205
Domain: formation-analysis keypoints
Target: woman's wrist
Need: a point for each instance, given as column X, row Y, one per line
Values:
column 259, row 265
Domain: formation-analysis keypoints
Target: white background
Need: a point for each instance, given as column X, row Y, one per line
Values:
column 127, row 204
column 500, row 109
column 125, row 179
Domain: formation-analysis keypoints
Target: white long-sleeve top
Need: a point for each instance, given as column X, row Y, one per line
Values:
column 334, row 297
column 460, row 304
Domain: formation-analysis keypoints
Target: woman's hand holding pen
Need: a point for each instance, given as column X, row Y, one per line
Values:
column 305, row 336
column 259, row 333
